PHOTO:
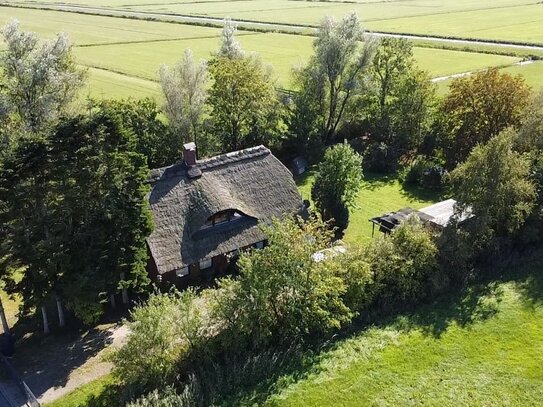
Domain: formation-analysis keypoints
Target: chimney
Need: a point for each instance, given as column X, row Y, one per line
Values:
column 189, row 154
column 189, row 158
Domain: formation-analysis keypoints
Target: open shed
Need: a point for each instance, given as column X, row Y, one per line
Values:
column 436, row 216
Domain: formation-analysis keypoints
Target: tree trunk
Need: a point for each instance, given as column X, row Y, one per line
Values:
column 61, row 321
column 46, row 330
column 124, row 292
column 5, row 325
column 112, row 301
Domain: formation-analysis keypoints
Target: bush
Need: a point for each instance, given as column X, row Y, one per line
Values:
column 404, row 264
column 283, row 294
column 160, row 333
column 381, row 158
column 424, row 172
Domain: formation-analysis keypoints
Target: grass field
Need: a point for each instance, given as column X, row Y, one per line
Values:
column 480, row 349
column 127, row 53
column 378, row 195
column 505, row 20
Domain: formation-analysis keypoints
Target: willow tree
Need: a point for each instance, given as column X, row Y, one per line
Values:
column 184, row 86
column 335, row 74
column 40, row 79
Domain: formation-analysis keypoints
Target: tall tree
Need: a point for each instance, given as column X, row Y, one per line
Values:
column 494, row 184
column 27, row 205
column 230, row 47
column 185, row 92
column 39, row 80
column 245, row 109
column 104, row 209
column 337, row 182
column 479, row 107
column 336, row 72
column 400, row 102
column 75, row 215
column 153, row 139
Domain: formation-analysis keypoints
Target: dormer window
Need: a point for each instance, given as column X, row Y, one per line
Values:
column 223, row 217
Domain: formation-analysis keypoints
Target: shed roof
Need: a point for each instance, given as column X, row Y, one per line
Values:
column 250, row 181
column 438, row 214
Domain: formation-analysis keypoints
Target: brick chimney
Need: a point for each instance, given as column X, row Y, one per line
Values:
column 189, row 158
column 189, row 154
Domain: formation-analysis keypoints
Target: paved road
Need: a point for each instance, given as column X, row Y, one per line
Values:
column 247, row 24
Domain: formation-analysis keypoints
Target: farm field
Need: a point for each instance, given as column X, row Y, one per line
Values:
column 127, row 53
column 481, row 348
column 504, row 20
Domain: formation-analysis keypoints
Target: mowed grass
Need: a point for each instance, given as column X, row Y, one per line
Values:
column 517, row 24
column 93, row 393
column 483, row 348
column 104, row 84
column 88, row 29
column 379, row 195
column 132, row 50
column 282, row 51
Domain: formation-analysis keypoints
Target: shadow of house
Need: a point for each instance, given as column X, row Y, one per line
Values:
column 205, row 211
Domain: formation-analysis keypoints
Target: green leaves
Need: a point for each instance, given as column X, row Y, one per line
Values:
column 337, row 182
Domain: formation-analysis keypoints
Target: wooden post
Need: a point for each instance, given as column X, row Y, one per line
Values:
column 45, row 320
column 61, row 321
column 5, row 325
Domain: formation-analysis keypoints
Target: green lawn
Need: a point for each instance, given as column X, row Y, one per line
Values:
column 95, row 394
column 484, row 348
column 378, row 195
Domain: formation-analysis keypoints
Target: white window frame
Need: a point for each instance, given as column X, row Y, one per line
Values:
column 206, row 264
column 182, row 272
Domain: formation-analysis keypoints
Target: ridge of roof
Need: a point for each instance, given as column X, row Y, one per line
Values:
column 209, row 163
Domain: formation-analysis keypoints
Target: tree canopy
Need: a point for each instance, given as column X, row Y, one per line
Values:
column 337, row 182
column 479, row 107
column 39, row 79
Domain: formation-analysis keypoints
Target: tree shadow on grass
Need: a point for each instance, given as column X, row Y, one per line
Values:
column 413, row 192
column 374, row 181
column 477, row 303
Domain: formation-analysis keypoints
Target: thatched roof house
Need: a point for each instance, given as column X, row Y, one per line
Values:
column 205, row 211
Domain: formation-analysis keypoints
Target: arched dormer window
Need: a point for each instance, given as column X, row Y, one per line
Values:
column 222, row 217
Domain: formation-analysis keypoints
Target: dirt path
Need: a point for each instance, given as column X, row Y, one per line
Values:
column 59, row 366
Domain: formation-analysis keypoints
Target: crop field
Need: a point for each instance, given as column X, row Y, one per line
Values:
column 125, row 54
column 504, row 20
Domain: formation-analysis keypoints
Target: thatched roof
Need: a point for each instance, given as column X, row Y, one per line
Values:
column 250, row 181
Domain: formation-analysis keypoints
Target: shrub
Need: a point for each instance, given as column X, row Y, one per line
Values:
column 160, row 333
column 424, row 172
column 283, row 293
column 337, row 182
column 404, row 264
column 381, row 158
